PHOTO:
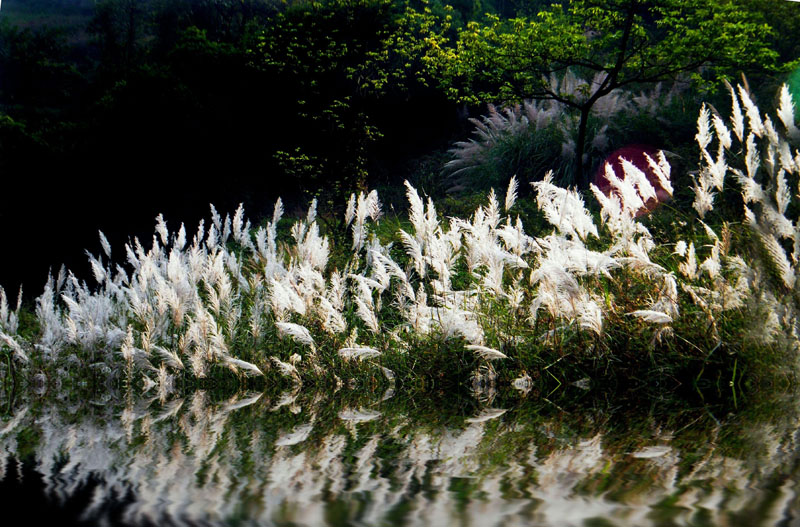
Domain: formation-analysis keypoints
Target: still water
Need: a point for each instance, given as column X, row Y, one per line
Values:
column 306, row 458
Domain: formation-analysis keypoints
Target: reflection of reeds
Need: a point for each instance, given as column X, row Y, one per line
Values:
column 260, row 459
column 232, row 292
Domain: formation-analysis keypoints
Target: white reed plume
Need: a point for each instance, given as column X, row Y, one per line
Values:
column 16, row 348
column 378, row 270
column 216, row 219
column 414, row 250
column 335, row 295
column 367, row 314
column 212, row 238
column 751, row 191
column 638, row 178
column 267, row 243
column 667, row 301
column 703, row 136
column 688, row 267
column 104, row 243
column 515, row 239
column 99, row 272
column 180, row 241
column 358, row 352
column 350, row 210
column 161, row 229
column 783, row 194
column 393, row 269
column 778, row 257
column 313, row 248
column 704, row 197
column 680, row 248
column 629, row 199
column 225, row 233
column 169, row 357
column 655, row 317
column 737, row 119
column 563, row 208
column 441, row 253
column 453, row 322
column 128, row 348
column 563, row 255
column 590, row 316
column 660, row 167
column 492, row 280
column 486, row 353
column 492, row 210
column 723, row 134
column 712, row 265
column 786, row 113
column 9, row 319
column 423, row 219
column 285, row 368
column 241, row 230
column 715, row 169
column 248, row 368
column 284, row 299
column 358, row 210
column 332, row 319
column 297, row 332
column 511, row 193
column 199, row 364
column 308, row 286
column 752, row 157
column 365, row 286
column 753, row 114
column 166, row 383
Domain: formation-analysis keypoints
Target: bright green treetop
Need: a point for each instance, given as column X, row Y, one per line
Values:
column 616, row 42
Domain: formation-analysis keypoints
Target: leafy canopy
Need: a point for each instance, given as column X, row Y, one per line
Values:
column 333, row 62
column 625, row 41
column 615, row 43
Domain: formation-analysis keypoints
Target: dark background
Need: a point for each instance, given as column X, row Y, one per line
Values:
column 104, row 132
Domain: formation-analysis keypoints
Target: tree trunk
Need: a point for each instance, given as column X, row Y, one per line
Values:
column 609, row 84
column 581, row 171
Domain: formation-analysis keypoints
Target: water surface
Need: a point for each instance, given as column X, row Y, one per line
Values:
column 348, row 458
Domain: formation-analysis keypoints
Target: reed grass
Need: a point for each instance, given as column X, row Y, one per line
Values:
column 476, row 299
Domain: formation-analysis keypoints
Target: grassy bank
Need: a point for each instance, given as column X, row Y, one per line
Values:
column 604, row 292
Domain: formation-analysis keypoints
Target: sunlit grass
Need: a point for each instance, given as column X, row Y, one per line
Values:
column 474, row 300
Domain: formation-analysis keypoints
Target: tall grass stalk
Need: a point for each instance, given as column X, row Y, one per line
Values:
column 233, row 297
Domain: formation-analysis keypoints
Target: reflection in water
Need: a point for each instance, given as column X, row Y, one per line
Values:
column 302, row 459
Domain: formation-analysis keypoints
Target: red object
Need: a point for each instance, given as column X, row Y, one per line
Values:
column 636, row 155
